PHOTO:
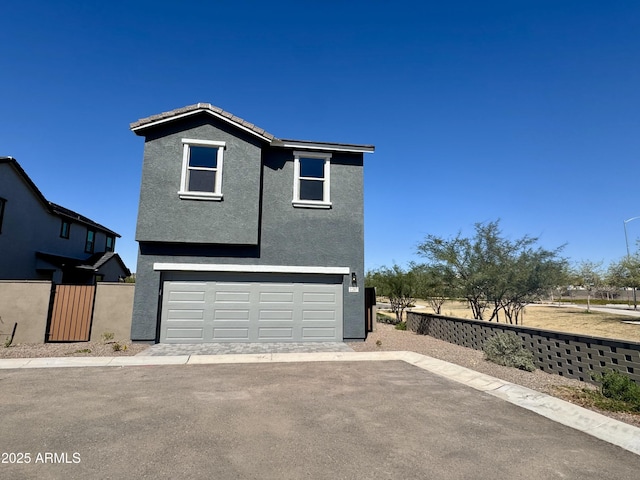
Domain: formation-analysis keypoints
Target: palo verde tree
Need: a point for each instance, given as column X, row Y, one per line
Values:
column 494, row 273
column 395, row 283
column 433, row 285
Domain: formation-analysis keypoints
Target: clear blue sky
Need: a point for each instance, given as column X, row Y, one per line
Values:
column 527, row 111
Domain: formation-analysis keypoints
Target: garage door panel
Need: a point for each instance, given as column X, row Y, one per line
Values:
column 276, row 297
column 251, row 308
column 233, row 297
column 180, row 315
column 275, row 333
column 318, row 297
column 186, row 297
column 265, row 315
column 181, row 334
column 230, row 315
column 319, row 315
column 318, row 334
column 230, row 334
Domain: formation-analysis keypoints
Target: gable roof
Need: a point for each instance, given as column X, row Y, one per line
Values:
column 51, row 207
column 201, row 108
column 141, row 125
column 97, row 260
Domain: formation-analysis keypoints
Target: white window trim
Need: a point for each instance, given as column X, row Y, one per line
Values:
column 184, row 193
column 326, row 193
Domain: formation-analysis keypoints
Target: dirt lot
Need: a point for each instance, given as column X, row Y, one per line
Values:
column 560, row 318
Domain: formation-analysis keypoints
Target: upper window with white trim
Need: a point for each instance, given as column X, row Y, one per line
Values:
column 312, row 180
column 201, row 169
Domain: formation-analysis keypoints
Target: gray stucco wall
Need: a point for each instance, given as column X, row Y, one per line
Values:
column 28, row 227
column 164, row 217
column 287, row 235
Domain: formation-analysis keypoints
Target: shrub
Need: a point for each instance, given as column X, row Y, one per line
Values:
column 382, row 318
column 401, row 326
column 107, row 336
column 506, row 349
column 620, row 387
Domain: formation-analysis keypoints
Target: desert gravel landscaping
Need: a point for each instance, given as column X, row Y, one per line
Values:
column 73, row 349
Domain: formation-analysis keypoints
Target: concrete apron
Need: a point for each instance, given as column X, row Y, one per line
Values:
column 604, row 428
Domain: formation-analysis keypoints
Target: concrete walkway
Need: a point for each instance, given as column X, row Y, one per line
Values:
column 612, row 308
column 587, row 421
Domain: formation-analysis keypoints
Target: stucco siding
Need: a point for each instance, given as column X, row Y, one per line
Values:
column 112, row 310
column 165, row 217
column 27, row 305
column 288, row 236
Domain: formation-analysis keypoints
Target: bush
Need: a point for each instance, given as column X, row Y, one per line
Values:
column 401, row 326
column 382, row 318
column 620, row 387
column 506, row 349
column 107, row 336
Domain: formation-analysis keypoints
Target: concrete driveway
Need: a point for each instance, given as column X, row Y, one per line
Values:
column 319, row 420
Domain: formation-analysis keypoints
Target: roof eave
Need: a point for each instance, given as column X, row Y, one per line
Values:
column 138, row 127
column 325, row 146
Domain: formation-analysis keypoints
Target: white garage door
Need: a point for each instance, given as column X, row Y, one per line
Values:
column 231, row 307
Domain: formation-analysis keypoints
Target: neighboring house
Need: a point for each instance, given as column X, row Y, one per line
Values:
column 40, row 240
column 245, row 237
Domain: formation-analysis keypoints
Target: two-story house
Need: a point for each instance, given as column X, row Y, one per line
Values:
column 40, row 240
column 245, row 237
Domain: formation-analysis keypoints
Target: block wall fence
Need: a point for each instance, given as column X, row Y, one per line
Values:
column 26, row 305
column 575, row 356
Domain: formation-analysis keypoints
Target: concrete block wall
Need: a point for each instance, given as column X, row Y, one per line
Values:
column 574, row 356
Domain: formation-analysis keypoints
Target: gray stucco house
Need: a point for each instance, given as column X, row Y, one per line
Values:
column 245, row 237
column 40, row 240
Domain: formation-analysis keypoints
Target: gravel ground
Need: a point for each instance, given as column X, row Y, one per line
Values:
column 392, row 339
column 74, row 349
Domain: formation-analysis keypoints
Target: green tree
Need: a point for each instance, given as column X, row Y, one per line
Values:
column 395, row 283
column 494, row 273
column 433, row 284
column 588, row 275
column 532, row 274
column 625, row 273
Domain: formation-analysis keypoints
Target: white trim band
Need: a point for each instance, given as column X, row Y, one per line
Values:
column 208, row 267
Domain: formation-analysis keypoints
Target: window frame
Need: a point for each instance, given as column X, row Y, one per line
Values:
column 3, row 202
column 184, row 192
column 90, row 247
column 326, row 179
column 64, row 222
column 111, row 248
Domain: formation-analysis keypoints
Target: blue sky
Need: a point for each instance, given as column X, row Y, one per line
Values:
column 526, row 111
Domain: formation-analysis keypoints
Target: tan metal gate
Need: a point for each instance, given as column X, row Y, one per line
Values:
column 71, row 313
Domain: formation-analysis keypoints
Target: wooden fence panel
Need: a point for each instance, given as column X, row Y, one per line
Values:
column 71, row 313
